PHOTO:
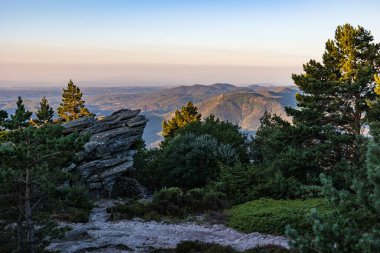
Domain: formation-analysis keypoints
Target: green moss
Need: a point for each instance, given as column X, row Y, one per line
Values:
column 271, row 216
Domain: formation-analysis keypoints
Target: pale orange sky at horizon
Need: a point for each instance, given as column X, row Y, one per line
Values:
column 168, row 42
column 131, row 75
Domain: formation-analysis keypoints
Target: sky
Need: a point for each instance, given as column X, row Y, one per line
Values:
column 162, row 42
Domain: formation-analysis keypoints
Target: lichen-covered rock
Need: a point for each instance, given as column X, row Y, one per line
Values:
column 108, row 155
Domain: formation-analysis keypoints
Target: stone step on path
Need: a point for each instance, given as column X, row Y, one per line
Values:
column 101, row 235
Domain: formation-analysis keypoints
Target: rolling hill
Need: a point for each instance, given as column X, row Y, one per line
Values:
column 240, row 105
column 242, row 108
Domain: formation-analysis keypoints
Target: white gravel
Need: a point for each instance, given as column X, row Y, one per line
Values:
column 100, row 235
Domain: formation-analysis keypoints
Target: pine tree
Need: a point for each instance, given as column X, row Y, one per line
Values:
column 374, row 113
column 72, row 106
column 45, row 113
column 30, row 174
column 354, row 226
column 20, row 119
column 333, row 102
column 188, row 113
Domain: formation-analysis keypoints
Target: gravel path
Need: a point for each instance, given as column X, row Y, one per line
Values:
column 100, row 235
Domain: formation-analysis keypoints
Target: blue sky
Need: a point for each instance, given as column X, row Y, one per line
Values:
column 84, row 39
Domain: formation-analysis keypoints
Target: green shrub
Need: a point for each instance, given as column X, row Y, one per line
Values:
column 132, row 210
column 194, row 198
column 73, row 204
column 171, row 202
column 213, row 200
column 191, row 158
column 77, row 196
column 189, row 161
column 224, row 132
column 195, row 247
column 201, row 247
column 271, row 216
column 355, row 225
column 241, row 183
column 8, row 239
column 78, row 214
column 174, row 202
column 146, row 163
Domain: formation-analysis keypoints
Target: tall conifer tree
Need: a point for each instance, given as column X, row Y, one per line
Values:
column 45, row 113
column 30, row 174
column 20, row 119
column 373, row 116
column 332, row 104
column 181, row 118
column 72, row 106
column 354, row 225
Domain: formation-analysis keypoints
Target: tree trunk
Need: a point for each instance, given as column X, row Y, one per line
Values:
column 28, row 213
column 20, row 231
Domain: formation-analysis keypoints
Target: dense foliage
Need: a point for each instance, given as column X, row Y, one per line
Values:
column 200, row 247
column 245, row 182
column 3, row 115
column 45, row 112
column 351, row 61
column 72, row 106
column 335, row 94
column 337, row 103
column 272, row 216
column 192, row 157
column 181, row 118
column 224, row 132
column 275, row 179
column 374, row 112
column 171, row 202
column 355, row 227
column 21, row 117
column 31, row 177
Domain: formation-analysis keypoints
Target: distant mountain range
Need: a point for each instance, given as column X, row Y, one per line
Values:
column 240, row 105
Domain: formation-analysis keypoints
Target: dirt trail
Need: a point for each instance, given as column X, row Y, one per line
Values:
column 100, row 235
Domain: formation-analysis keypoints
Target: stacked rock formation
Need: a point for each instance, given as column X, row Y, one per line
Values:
column 107, row 158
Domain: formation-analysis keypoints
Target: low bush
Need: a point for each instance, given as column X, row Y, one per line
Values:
column 192, row 156
column 171, row 202
column 77, row 196
column 271, row 216
column 146, row 163
column 243, row 182
column 200, row 247
column 73, row 204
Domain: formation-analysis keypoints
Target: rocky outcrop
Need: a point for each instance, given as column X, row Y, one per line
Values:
column 108, row 155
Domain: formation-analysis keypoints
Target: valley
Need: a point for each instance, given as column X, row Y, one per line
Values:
column 239, row 105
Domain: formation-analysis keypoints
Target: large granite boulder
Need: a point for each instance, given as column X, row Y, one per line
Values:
column 108, row 155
